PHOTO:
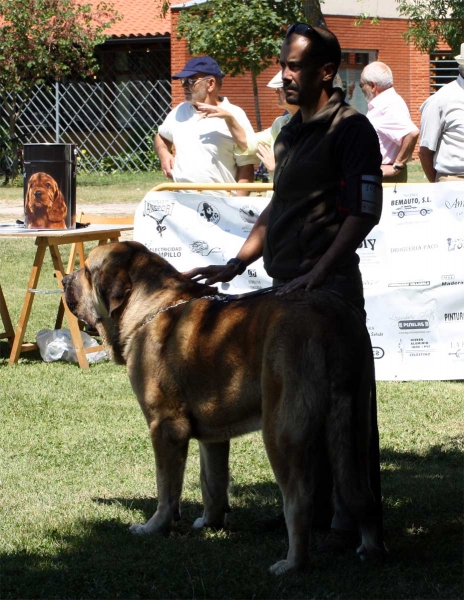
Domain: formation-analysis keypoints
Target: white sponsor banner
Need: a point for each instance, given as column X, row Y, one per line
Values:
column 413, row 272
column 412, row 265
column 194, row 230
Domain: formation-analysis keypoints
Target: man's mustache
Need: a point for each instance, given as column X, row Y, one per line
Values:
column 290, row 87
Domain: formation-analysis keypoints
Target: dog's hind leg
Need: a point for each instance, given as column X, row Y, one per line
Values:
column 214, row 475
column 170, row 440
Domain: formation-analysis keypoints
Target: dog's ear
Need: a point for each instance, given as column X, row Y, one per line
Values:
column 28, row 206
column 58, row 209
column 114, row 288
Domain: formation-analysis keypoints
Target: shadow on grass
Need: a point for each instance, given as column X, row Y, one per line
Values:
column 102, row 559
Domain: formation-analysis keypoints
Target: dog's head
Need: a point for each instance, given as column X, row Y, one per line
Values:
column 42, row 191
column 103, row 285
column 120, row 284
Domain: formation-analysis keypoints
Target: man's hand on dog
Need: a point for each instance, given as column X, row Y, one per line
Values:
column 213, row 273
column 307, row 282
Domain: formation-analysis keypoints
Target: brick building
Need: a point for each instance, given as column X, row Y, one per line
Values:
column 414, row 72
column 360, row 44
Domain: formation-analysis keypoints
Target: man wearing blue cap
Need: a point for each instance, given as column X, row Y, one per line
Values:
column 205, row 151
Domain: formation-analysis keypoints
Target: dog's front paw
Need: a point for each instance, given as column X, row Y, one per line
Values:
column 216, row 520
column 374, row 554
column 200, row 523
column 282, row 567
column 138, row 529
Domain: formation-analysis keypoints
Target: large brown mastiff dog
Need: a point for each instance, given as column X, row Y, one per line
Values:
column 204, row 368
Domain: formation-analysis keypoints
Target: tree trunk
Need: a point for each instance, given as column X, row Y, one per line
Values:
column 13, row 142
column 254, row 79
column 313, row 13
column 314, row 16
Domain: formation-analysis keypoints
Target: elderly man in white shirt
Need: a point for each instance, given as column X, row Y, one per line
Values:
column 441, row 146
column 389, row 115
column 205, row 151
column 260, row 143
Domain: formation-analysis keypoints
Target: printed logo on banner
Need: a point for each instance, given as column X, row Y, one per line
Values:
column 202, row 248
column 457, row 350
column 368, row 244
column 252, row 273
column 411, row 206
column 453, row 317
column 378, row 352
column 417, row 248
column 455, row 244
column 250, row 215
column 456, row 206
column 407, row 211
column 369, row 283
column 450, row 279
column 413, row 322
column 158, row 211
column 165, row 251
column 409, row 284
column 372, row 331
column 419, row 347
column 208, row 213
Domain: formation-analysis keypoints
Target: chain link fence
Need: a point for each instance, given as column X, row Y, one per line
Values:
column 112, row 119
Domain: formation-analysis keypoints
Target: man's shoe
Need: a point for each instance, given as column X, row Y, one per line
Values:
column 339, row 540
column 271, row 523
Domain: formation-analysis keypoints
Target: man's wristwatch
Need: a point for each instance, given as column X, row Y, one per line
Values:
column 398, row 167
column 239, row 263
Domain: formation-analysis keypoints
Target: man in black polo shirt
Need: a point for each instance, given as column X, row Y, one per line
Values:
column 327, row 198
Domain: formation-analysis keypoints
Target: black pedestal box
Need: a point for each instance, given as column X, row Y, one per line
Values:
column 50, row 186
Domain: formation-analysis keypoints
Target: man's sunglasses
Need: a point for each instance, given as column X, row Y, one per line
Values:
column 301, row 29
column 191, row 82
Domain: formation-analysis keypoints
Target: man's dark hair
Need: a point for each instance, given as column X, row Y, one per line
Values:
column 327, row 44
column 324, row 44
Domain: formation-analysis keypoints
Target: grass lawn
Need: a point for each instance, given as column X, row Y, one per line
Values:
column 77, row 469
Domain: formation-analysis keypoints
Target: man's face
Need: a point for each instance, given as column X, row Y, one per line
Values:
column 301, row 73
column 366, row 89
column 196, row 87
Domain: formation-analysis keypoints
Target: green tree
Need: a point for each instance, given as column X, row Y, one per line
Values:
column 433, row 22
column 42, row 40
column 242, row 35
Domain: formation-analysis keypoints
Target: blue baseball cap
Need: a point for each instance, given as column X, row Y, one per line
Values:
column 200, row 64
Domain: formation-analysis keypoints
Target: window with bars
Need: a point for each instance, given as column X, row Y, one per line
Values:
column 443, row 70
column 353, row 62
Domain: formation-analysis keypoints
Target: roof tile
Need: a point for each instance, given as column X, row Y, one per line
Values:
column 141, row 18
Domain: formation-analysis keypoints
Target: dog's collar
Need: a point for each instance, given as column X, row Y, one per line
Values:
column 166, row 308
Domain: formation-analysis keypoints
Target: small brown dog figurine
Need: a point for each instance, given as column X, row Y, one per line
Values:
column 44, row 207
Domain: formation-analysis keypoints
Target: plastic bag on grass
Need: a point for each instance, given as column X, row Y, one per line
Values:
column 57, row 344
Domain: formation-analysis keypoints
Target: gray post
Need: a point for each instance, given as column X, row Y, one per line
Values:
column 57, row 111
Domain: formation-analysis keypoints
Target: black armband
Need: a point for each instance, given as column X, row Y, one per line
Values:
column 362, row 196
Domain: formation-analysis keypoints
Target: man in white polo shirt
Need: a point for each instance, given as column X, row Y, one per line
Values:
column 389, row 115
column 441, row 143
column 205, row 151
